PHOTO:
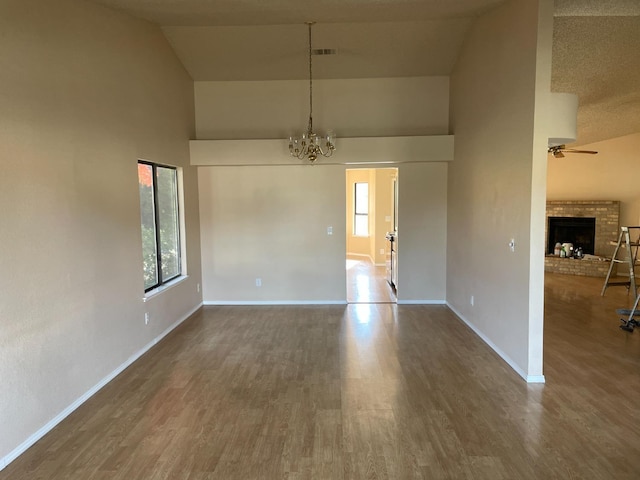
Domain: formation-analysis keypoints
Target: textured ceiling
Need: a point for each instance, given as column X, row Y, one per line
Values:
column 598, row 58
column 596, row 8
column 596, row 46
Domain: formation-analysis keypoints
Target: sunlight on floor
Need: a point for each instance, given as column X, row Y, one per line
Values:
column 367, row 283
column 351, row 263
column 363, row 312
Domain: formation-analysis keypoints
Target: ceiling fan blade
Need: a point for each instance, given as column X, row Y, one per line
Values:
column 590, row 152
column 557, row 154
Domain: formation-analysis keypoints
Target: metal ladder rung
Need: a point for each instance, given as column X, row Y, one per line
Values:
column 631, row 258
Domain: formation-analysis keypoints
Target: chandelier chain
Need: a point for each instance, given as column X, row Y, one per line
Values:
column 310, row 82
column 310, row 145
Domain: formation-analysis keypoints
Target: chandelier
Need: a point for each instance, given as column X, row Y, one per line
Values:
column 309, row 145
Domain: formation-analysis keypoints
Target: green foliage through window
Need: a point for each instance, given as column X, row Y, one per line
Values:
column 160, row 223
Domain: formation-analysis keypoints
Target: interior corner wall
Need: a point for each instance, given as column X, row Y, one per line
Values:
column 85, row 92
column 493, row 107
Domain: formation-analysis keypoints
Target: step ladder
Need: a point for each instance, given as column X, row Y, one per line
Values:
column 631, row 257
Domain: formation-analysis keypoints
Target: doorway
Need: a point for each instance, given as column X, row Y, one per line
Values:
column 371, row 214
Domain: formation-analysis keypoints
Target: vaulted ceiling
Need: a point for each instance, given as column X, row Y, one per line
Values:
column 596, row 45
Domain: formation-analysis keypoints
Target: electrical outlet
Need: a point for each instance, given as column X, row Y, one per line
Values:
column 329, row 230
column 198, row 288
column 146, row 318
column 258, row 282
column 471, row 300
column 382, row 251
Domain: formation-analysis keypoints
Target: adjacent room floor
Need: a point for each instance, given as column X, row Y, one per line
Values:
column 366, row 282
column 361, row 391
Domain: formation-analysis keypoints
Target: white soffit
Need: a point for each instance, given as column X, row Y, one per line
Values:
column 349, row 151
column 563, row 119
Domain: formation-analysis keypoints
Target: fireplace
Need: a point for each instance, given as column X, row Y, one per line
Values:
column 580, row 231
column 603, row 217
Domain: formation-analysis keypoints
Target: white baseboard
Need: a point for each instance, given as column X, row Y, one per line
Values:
column 421, row 302
column 20, row 449
column 504, row 356
column 362, row 255
column 272, row 302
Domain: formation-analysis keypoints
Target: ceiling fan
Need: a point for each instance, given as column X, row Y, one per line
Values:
column 558, row 151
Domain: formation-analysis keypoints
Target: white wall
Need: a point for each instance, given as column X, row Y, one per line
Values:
column 612, row 174
column 350, row 107
column 84, row 93
column 498, row 102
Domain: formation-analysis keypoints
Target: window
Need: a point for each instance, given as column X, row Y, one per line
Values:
column 361, row 210
column 158, row 186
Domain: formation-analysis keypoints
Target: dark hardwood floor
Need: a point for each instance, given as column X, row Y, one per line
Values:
column 364, row 391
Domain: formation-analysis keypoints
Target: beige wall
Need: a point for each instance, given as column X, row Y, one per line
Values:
column 84, row 93
column 422, row 232
column 497, row 101
column 311, row 266
column 270, row 222
column 350, row 107
column 612, row 174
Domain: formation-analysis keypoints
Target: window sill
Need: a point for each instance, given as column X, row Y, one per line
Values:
column 156, row 291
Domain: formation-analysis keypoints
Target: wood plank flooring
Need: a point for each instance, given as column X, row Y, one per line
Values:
column 376, row 391
column 366, row 282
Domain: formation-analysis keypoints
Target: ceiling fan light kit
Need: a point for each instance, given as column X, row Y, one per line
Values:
column 310, row 145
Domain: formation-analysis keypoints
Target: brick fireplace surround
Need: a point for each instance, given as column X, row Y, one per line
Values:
column 607, row 215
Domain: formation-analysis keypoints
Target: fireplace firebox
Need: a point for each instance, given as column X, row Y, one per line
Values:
column 580, row 231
